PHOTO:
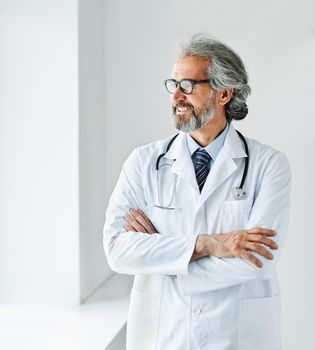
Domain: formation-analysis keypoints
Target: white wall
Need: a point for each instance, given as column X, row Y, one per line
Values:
column 92, row 141
column 52, row 151
column 39, row 241
column 276, row 40
column 39, row 128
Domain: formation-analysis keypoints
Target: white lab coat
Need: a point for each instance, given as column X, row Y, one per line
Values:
column 212, row 303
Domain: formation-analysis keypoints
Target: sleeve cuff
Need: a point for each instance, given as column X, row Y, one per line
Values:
column 187, row 256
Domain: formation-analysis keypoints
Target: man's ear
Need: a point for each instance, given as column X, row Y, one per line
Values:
column 225, row 96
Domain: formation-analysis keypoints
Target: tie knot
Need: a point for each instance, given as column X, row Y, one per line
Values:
column 202, row 156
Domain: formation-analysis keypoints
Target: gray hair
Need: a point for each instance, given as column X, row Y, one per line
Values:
column 226, row 70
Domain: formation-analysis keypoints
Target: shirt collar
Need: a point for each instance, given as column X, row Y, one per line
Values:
column 213, row 148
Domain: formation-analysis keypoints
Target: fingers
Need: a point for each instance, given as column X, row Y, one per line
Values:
column 134, row 224
column 263, row 240
column 142, row 219
column 248, row 256
column 256, row 239
column 262, row 231
column 139, row 222
column 128, row 227
column 258, row 248
column 148, row 224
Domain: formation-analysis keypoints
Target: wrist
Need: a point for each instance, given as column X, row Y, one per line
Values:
column 211, row 244
column 205, row 245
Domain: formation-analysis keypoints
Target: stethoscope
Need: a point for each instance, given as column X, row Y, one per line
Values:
column 237, row 192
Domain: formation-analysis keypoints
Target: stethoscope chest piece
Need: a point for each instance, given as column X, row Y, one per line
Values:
column 238, row 193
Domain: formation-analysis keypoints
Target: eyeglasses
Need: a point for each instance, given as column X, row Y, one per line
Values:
column 186, row 85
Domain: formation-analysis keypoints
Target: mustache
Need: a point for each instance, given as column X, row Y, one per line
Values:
column 183, row 104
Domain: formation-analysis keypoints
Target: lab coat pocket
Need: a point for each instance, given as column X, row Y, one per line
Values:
column 235, row 214
column 143, row 319
column 165, row 221
column 259, row 323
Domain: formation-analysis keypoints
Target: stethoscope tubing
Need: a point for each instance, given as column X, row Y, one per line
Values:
column 168, row 207
column 246, row 159
column 163, row 154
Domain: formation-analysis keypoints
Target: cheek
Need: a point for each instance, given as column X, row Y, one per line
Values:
column 196, row 103
column 206, row 101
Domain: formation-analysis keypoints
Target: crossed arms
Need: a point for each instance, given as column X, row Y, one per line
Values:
column 224, row 245
column 131, row 252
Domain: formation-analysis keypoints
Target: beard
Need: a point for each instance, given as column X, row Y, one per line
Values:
column 197, row 118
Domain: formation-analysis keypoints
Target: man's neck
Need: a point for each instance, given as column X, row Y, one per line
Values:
column 205, row 135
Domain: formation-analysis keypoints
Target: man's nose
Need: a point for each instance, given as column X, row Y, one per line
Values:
column 178, row 95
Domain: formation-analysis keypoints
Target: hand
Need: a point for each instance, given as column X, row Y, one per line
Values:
column 137, row 221
column 237, row 244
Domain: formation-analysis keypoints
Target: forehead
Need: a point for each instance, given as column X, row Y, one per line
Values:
column 190, row 67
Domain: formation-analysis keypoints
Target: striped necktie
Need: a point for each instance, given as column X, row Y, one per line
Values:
column 202, row 166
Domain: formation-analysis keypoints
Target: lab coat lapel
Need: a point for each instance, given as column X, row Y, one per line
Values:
column 224, row 165
column 183, row 165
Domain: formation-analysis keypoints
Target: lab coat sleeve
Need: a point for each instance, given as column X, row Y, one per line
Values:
column 270, row 210
column 131, row 252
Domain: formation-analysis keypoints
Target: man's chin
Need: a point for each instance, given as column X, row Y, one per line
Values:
column 188, row 121
column 184, row 125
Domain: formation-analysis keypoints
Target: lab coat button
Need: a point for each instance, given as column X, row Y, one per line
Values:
column 197, row 310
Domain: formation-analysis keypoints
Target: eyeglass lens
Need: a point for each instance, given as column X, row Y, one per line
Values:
column 186, row 86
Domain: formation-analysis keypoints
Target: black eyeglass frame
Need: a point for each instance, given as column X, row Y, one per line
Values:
column 178, row 83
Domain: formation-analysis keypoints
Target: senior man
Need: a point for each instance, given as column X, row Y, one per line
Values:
column 200, row 218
